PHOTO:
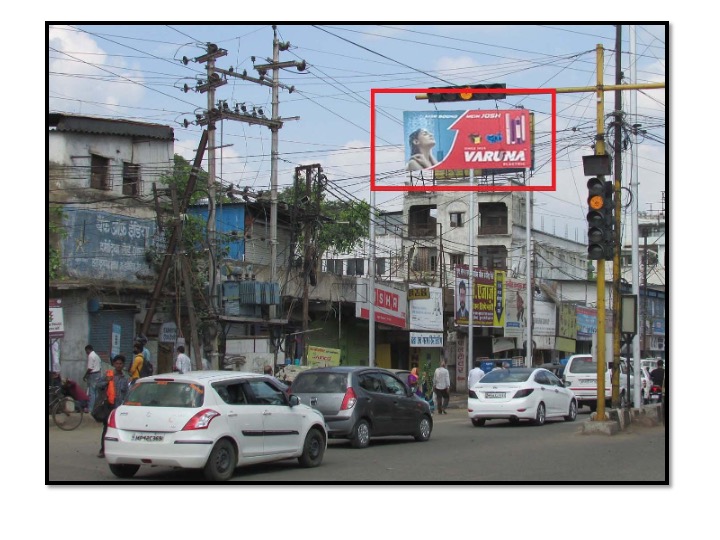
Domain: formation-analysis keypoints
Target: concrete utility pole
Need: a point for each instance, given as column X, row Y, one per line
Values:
column 617, row 155
column 275, row 123
column 313, row 192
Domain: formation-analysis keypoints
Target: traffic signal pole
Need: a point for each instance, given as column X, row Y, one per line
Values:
column 600, row 151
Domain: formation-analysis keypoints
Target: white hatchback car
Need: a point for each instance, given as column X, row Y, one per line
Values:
column 533, row 394
column 211, row 420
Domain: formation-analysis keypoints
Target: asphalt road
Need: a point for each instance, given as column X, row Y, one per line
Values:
column 456, row 453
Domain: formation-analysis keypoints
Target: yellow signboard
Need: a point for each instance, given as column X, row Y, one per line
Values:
column 322, row 356
column 419, row 293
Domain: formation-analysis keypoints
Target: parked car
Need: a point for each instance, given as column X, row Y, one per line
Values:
column 580, row 376
column 211, row 420
column 360, row 403
column 514, row 394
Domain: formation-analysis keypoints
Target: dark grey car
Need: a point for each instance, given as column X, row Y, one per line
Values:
column 362, row 402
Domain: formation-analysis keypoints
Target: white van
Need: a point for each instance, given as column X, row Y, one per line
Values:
column 580, row 376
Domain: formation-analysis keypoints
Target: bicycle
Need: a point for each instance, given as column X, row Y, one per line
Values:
column 65, row 411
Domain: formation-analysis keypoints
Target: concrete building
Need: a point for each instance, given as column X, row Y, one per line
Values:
column 100, row 177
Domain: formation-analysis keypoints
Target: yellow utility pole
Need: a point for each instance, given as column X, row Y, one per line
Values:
column 600, row 151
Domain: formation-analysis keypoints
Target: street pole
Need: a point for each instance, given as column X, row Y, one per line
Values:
column 617, row 155
column 634, row 215
column 212, row 248
column 371, row 292
column 274, row 171
column 599, row 151
column 528, row 280
column 471, row 281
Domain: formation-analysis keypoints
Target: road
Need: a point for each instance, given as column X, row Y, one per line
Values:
column 457, row 452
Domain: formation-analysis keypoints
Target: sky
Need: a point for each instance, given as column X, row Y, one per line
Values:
column 137, row 72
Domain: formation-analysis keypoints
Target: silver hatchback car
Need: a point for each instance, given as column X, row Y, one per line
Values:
column 359, row 403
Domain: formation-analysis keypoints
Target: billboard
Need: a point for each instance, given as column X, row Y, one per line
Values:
column 487, row 296
column 426, row 314
column 390, row 304
column 474, row 139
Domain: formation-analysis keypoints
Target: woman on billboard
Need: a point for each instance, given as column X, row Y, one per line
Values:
column 421, row 145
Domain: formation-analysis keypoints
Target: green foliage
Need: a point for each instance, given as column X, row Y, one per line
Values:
column 55, row 232
column 349, row 225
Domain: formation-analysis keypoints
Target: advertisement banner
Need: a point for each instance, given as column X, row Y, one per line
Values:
column 515, row 297
column 390, row 304
column 568, row 326
column 425, row 339
column 56, row 324
column 488, row 296
column 474, row 139
column 586, row 323
column 544, row 319
column 426, row 314
column 322, row 356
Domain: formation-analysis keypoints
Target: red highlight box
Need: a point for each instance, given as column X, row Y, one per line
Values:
column 446, row 187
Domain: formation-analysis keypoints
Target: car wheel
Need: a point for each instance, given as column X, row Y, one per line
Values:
column 221, row 464
column 313, row 449
column 478, row 422
column 361, row 435
column 572, row 412
column 424, row 429
column 540, row 415
column 124, row 471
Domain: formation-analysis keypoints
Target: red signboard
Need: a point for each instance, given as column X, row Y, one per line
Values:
column 490, row 140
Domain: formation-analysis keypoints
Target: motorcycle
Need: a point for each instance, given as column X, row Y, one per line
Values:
column 655, row 394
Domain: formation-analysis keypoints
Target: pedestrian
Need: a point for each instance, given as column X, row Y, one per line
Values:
column 115, row 384
column 92, row 374
column 476, row 373
column 658, row 374
column 75, row 391
column 182, row 362
column 137, row 363
column 268, row 370
column 441, row 383
column 142, row 340
column 413, row 379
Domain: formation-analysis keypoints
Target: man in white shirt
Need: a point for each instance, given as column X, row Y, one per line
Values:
column 441, row 384
column 92, row 375
column 182, row 363
column 475, row 374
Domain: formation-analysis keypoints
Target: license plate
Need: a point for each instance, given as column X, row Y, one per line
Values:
column 587, row 381
column 491, row 395
column 147, row 437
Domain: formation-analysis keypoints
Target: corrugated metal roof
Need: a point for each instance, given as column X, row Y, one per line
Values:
column 107, row 126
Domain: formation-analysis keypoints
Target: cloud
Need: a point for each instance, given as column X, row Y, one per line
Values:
column 84, row 79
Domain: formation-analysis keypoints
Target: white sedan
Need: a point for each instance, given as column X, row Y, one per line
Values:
column 533, row 394
column 211, row 420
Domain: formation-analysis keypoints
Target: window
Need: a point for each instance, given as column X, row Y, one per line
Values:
column 131, row 179
column 492, row 257
column 457, row 259
column 493, row 218
column 380, row 265
column 99, row 172
column 232, row 393
column 393, row 386
column 355, row 267
column 334, row 266
column 456, row 219
column 265, row 394
column 371, row 382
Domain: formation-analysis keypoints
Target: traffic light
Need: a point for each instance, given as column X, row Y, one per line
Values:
column 601, row 219
column 439, row 97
